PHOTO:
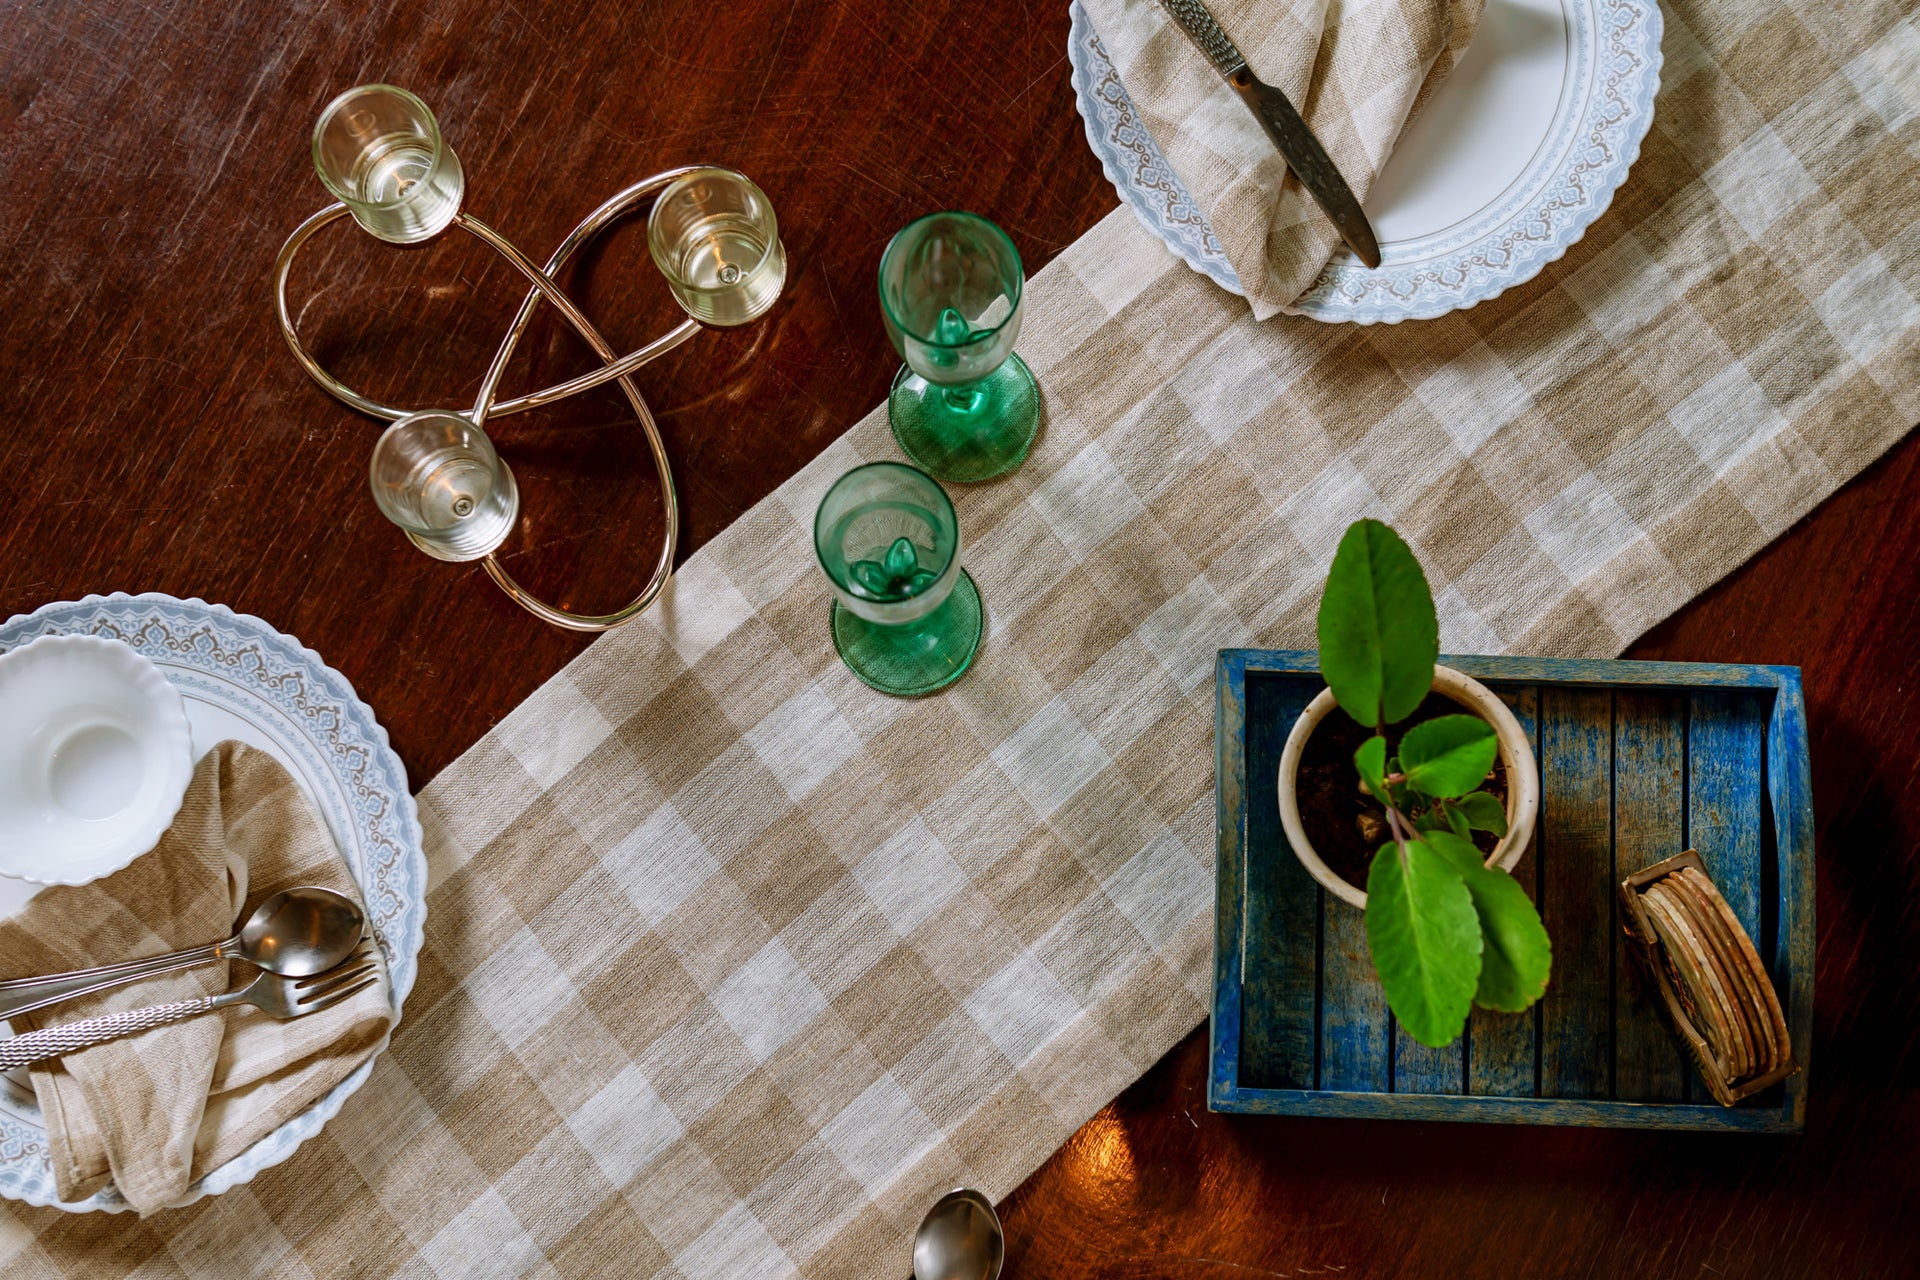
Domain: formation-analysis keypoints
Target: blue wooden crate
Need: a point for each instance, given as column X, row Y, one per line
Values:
column 1638, row 761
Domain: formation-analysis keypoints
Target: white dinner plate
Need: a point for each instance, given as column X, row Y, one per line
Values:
column 1517, row 153
column 242, row 679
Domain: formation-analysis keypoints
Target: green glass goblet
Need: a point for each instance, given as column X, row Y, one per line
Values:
column 906, row 617
column 964, row 406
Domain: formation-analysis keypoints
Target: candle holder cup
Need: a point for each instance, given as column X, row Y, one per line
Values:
column 379, row 151
column 714, row 237
column 438, row 477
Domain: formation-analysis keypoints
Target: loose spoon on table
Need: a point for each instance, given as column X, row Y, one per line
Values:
column 295, row 934
column 959, row 1239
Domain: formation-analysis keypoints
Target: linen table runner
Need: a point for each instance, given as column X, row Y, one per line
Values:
column 733, row 965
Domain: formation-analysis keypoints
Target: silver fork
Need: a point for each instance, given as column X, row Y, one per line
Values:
column 281, row 997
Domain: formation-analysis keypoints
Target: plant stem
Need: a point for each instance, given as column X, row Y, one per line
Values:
column 1396, row 821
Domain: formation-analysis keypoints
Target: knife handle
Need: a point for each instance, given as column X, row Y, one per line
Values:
column 1200, row 26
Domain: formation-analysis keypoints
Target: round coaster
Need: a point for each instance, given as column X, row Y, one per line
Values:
column 1764, row 1005
column 1702, row 991
column 1748, row 1052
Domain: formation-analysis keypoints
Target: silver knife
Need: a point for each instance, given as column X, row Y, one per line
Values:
column 1301, row 150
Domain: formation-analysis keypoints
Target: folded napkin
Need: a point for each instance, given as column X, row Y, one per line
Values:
column 1356, row 69
column 156, row 1111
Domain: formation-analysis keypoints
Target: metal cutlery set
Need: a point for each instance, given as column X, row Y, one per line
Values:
column 309, row 943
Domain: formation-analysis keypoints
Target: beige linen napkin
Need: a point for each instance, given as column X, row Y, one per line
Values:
column 1357, row 69
column 155, row 1111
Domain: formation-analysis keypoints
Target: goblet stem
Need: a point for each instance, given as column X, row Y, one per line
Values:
column 965, row 399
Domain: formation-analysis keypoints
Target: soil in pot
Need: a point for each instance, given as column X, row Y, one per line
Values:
column 1344, row 825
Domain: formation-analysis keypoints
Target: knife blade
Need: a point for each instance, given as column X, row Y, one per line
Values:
column 1284, row 126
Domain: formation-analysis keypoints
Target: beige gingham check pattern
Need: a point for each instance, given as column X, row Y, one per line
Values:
column 733, row 965
column 1356, row 69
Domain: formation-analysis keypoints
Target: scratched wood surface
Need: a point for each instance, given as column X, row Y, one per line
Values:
column 158, row 437
column 1649, row 824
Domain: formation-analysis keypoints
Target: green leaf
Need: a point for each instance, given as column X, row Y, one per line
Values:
column 1371, row 761
column 1482, row 812
column 1379, row 634
column 1457, row 823
column 1425, row 941
column 1448, row 756
column 1518, row 955
column 1434, row 819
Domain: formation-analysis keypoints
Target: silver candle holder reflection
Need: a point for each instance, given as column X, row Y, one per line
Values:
column 435, row 472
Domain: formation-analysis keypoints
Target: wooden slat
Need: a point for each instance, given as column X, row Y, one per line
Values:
column 1726, row 746
column 1500, row 1046
column 1354, row 1040
column 1604, row 673
column 1598, row 1113
column 1725, row 796
column 1497, row 1048
column 1419, row 1069
column 1576, row 858
column 1230, row 882
column 1282, row 903
column 1790, row 789
column 1649, row 825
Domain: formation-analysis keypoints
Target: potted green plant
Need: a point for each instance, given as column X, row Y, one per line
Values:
column 1446, row 924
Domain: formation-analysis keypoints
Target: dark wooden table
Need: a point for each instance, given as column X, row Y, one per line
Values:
column 160, row 438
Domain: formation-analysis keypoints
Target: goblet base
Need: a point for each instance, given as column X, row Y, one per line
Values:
column 986, row 436
column 919, row 657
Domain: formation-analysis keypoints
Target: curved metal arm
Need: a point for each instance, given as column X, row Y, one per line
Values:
column 544, row 287
column 614, row 369
column 283, row 268
column 588, row 227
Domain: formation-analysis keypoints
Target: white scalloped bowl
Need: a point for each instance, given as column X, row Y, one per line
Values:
column 95, row 757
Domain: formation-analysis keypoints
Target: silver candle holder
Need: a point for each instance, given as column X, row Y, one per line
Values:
column 435, row 473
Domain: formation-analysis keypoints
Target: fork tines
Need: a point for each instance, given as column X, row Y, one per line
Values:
column 348, row 978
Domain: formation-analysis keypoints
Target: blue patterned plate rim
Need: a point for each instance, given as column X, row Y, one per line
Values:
column 1592, row 144
column 251, row 670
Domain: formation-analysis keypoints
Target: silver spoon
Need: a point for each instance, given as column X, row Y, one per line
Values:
column 959, row 1239
column 295, row 934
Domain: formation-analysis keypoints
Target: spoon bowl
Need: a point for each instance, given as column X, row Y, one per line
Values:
column 959, row 1239
column 300, row 932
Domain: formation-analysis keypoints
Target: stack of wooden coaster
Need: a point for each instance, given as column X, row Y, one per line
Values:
column 1717, row 995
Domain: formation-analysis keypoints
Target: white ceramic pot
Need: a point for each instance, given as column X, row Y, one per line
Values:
column 1523, row 777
